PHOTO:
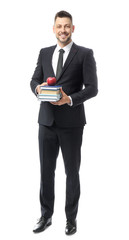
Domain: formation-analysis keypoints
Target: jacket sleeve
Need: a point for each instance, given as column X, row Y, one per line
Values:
column 89, row 80
column 37, row 77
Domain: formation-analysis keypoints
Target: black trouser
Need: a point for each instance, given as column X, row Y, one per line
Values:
column 70, row 141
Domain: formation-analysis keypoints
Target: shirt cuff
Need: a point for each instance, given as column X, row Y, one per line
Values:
column 70, row 104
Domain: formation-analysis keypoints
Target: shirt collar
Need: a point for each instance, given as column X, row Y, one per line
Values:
column 66, row 48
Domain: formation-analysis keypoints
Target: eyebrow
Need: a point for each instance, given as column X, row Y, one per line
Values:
column 67, row 24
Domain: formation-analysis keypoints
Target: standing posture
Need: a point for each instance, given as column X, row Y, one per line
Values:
column 61, row 123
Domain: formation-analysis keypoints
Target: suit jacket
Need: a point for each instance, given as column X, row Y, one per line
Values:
column 78, row 80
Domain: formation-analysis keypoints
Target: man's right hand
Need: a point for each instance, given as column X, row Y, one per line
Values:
column 38, row 89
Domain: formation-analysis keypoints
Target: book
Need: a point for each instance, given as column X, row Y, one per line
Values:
column 52, row 88
column 46, row 100
column 42, row 96
column 50, row 93
column 49, row 99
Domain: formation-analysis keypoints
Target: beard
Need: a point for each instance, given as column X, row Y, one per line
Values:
column 66, row 40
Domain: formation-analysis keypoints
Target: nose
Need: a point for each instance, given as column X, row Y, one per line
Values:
column 63, row 29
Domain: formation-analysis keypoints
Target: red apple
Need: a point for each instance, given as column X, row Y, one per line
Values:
column 51, row 81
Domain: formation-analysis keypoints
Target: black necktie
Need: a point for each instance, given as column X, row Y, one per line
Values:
column 60, row 63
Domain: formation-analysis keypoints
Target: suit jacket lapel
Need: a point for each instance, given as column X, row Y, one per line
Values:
column 70, row 57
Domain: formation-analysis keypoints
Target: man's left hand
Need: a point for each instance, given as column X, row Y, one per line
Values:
column 64, row 100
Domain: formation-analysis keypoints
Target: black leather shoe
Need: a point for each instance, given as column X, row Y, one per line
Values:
column 42, row 224
column 71, row 227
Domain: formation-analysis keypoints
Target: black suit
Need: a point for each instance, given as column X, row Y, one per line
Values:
column 63, row 125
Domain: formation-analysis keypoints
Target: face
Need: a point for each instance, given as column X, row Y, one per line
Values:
column 63, row 29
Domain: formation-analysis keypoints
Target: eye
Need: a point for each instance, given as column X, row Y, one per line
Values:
column 58, row 26
column 67, row 26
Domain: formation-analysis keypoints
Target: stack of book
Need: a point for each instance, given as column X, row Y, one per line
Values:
column 50, row 93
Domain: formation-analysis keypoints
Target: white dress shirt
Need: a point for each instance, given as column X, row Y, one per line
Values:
column 55, row 57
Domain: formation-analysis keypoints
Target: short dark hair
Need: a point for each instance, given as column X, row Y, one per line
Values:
column 63, row 14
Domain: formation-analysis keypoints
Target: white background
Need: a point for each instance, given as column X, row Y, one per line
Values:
column 26, row 27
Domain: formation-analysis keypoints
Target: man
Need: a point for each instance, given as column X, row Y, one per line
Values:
column 61, row 123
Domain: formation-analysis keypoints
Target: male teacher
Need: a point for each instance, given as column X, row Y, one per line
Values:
column 61, row 123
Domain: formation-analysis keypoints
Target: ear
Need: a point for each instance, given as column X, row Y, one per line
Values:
column 54, row 29
column 73, row 28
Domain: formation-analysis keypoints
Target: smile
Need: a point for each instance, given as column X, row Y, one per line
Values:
column 63, row 35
